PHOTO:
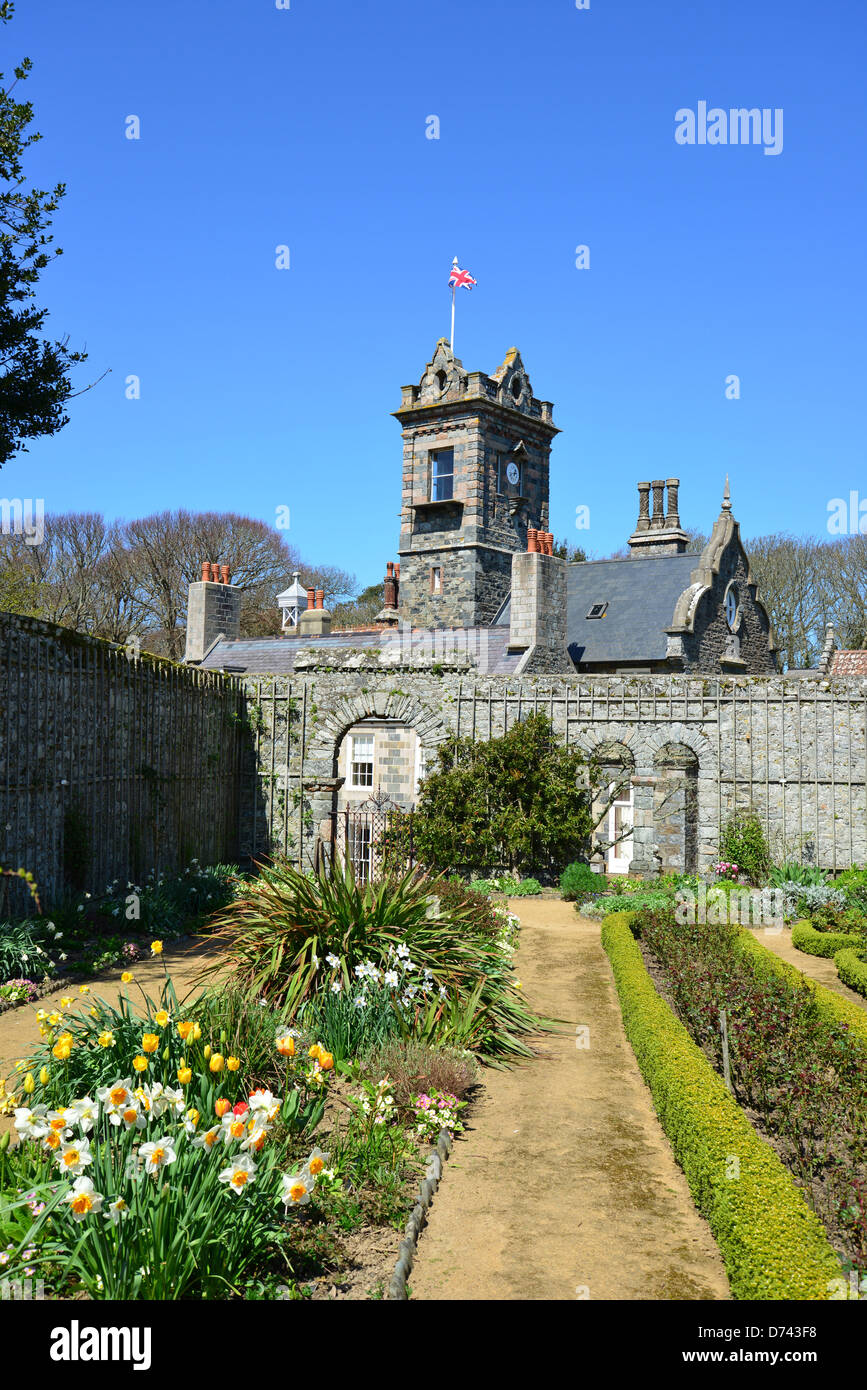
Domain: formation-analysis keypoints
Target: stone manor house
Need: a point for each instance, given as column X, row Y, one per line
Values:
column 662, row 664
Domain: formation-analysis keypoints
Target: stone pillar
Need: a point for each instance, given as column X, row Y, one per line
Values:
column 657, row 521
column 672, row 519
column 644, row 860
column 643, row 522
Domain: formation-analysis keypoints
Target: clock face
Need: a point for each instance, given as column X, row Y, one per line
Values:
column 513, row 473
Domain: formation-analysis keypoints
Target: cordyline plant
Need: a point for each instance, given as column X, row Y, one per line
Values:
column 279, row 935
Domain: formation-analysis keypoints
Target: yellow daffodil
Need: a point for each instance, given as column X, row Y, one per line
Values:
column 54, row 1018
column 232, row 1063
column 94, row 1013
column 126, row 977
column 161, row 1018
column 106, row 1038
column 84, row 989
column 197, row 1032
column 150, row 1042
column 216, row 1062
column 65, row 1001
column 140, row 1063
column 156, row 948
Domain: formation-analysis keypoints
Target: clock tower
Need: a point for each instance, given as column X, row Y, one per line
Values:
column 475, row 477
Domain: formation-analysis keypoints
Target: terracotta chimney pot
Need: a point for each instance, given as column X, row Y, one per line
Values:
column 311, row 598
column 225, row 573
column 206, row 571
column 320, row 598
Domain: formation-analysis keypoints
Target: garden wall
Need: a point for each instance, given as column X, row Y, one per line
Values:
column 794, row 749
column 111, row 764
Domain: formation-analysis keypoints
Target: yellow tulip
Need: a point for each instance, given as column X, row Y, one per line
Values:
column 216, row 1062
column 197, row 1032
column 140, row 1063
column 326, row 1061
column 150, row 1042
column 185, row 1075
column 232, row 1063
column 29, row 1083
column 43, row 1076
column 207, row 1051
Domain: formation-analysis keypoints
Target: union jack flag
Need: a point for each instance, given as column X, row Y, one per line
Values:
column 460, row 277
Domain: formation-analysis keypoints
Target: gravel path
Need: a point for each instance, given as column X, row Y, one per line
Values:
column 564, row 1185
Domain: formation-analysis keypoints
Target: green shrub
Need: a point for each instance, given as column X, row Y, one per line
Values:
column 743, row 842
column 801, row 875
column 455, row 896
column 414, row 1066
column 512, row 803
column 833, row 1007
column 654, row 900
column 282, row 935
column 852, row 969
column 578, row 880
column 822, row 943
column 773, row 1245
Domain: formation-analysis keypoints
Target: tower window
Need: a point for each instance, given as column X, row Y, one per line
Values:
column 436, row 579
column 442, row 475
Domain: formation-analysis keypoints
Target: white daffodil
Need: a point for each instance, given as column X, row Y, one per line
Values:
column 336, row 987
column 315, row 1164
column 233, row 1126
column 208, row 1138
column 158, row 1155
column 116, row 1210
column 32, row 1124
column 84, row 1113
column 116, row 1098
column 333, row 960
column 402, row 952
column 391, row 979
column 57, row 1120
column 74, row 1156
column 296, row 1189
column 239, row 1174
column 83, row 1199
column 266, row 1101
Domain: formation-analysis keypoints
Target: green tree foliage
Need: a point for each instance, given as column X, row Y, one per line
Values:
column 34, row 371
column 743, row 842
column 513, row 803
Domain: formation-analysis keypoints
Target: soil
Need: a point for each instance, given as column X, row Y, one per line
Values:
column 564, row 1185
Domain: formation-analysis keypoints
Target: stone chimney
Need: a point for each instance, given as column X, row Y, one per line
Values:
column 213, row 611
column 315, row 621
column 537, row 615
column 388, row 614
column 660, row 533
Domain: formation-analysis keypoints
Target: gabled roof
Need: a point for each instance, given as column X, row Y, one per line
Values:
column 641, row 594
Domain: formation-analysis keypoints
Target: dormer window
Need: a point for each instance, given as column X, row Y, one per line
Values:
column 442, row 475
column 598, row 610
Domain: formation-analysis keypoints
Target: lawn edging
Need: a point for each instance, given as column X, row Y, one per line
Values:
column 773, row 1245
column 822, row 943
column 851, row 969
column 417, row 1217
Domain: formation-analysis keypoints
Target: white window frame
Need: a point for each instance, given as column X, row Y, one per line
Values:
column 434, row 455
column 423, row 757
column 356, row 762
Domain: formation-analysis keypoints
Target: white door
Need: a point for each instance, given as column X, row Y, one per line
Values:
column 619, row 855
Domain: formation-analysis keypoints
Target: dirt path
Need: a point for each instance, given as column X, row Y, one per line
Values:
column 564, row 1185
column 779, row 940
column 19, row 1030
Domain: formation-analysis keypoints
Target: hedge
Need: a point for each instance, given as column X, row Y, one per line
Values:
column 823, row 943
column 835, row 1007
column 773, row 1245
column 852, row 970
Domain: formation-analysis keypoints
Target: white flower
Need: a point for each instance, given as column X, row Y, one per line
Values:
column 83, row 1199
column 116, row 1098
column 82, row 1112
column 116, row 1210
column 361, row 1001
column 267, row 1101
column 391, row 979
column 403, row 952
column 333, row 960
column 208, row 1139
column 296, row 1188
column 239, row 1173
column 158, row 1154
column 74, row 1156
column 336, row 987
column 32, row 1124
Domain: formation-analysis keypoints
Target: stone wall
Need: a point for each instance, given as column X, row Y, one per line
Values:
column 110, row 763
column 795, row 751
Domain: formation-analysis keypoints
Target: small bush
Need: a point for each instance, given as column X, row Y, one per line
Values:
column 852, row 969
column 822, row 943
column 655, row 900
column 577, row 880
column 471, row 901
column 743, row 843
column 413, row 1066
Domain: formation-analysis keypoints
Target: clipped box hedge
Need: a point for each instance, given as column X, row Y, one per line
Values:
column 852, row 970
column 773, row 1245
column 823, row 943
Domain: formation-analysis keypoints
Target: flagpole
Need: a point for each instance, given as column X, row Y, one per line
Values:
column 454, row 287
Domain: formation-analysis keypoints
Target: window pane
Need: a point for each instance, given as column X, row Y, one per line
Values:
column 442, row 475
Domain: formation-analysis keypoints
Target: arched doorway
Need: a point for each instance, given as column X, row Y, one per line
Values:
column 614, row 806
column 675, row 809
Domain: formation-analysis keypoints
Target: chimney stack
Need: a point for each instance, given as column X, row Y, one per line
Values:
column 388, row 615
column 213, row 611
column 661, row 533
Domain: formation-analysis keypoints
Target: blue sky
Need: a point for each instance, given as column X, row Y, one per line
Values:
column 260, row 127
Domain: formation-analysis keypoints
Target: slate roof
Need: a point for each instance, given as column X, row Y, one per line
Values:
column 276, row 655
column 641, row 593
